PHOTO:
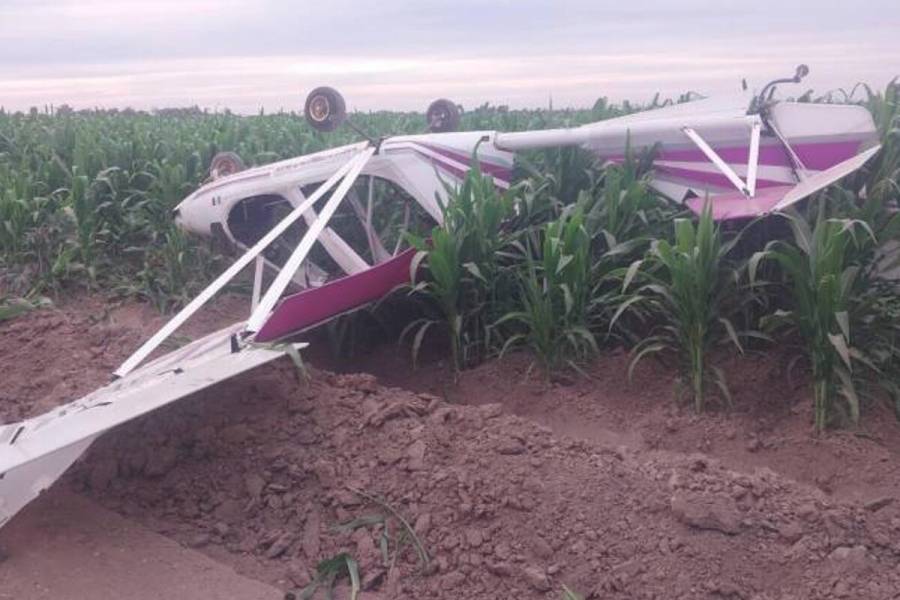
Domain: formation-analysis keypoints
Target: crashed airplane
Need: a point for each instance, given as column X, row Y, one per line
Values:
column 750, row 155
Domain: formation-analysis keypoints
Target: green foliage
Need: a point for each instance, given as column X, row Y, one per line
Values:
column 555, row 293
column 528, row 269
column 829, row 300
column 624, row 218
column 879, row 179
column 689, row 288
column 86, row 196
column 462, row 261
column 327, row 573
column 568, row 594
column 11, row 308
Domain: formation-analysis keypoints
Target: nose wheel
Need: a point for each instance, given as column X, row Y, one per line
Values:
column 224, row 164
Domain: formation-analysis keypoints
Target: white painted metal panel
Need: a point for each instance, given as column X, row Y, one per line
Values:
column 35, row 452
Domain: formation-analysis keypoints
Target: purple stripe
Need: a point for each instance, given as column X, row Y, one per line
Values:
column 498, row 171
column 454, row 170
column 815, row 155
column 458, row 173
column 313, row 306
column 710, row 178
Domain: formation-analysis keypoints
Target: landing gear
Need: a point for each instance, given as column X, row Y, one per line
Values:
column 442, row 116
column 224, row 164
column 325, row 109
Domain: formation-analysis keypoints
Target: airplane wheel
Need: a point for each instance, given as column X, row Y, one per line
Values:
column 442, row 116
column 224, row 164
column 325, row 109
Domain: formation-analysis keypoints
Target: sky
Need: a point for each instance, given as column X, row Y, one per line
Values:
column 401, row 54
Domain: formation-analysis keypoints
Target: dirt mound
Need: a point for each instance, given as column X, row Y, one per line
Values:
column 56, row 355
column 258, row 473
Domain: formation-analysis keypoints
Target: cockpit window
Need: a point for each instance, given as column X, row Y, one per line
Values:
column 375, row 216
column 373, row 220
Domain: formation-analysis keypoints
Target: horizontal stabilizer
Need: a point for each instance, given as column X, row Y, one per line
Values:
column 823, row 179
column 735, row 205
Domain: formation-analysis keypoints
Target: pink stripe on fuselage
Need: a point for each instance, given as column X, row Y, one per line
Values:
column 498, row 171
column 817, row 156
column 716, row 179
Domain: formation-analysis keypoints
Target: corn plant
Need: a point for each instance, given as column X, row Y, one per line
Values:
column 327, row 573
column 879, row 179
column 623, row 207
column 462, row 261
column 689, row 288
column 624, row 217
column 554, row 293
column 826, row 301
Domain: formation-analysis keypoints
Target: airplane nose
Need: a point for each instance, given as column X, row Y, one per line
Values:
column 188, row 216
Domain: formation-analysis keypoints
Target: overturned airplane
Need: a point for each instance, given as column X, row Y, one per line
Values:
column 748, row 155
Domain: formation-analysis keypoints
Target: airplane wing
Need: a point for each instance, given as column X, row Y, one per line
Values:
column 746, row 164
column 36, row 452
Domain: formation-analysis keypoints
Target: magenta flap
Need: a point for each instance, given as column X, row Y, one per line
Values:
column 735, row 205
column 316, row 305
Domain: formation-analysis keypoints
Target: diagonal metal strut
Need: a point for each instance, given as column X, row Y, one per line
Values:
column 720, row 164
column 194, row 305
column 267, row 302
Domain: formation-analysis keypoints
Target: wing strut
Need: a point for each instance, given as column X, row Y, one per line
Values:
column 267, row 302
column 747, row 188
column 714, row 157
column 753, row 157
column 194, row 305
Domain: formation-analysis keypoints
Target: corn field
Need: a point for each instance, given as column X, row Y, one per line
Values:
column 574, row 258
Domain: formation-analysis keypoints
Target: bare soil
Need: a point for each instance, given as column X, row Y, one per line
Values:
column 515, row 486
column 64, row 546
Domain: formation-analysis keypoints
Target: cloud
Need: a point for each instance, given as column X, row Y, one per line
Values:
column 401, row 53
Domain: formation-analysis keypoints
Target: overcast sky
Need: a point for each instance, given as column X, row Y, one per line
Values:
column 400, row 54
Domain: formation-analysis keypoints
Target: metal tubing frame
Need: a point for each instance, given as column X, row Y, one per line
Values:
column 715, row 159
column 267, row 302
column 257, row 281
column 799, row 169
column 753, row 156
column 748, row 187
column 203, row 297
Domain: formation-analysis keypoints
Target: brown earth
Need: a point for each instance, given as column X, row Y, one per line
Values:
column 513, row 485
column 66, row 546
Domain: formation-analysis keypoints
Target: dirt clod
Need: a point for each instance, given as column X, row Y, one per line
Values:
column 536, row 578
column 715, row 513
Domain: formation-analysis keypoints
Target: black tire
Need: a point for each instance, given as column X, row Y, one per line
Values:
column 325, row 109
column 224, row 164
column 442, row 116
